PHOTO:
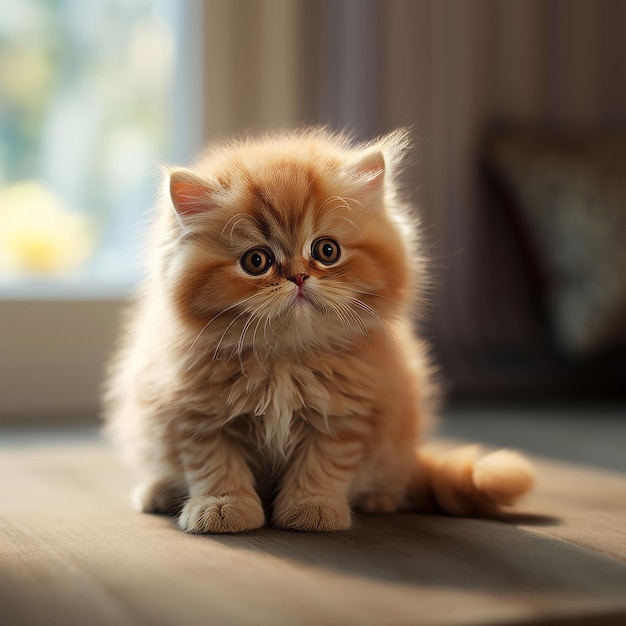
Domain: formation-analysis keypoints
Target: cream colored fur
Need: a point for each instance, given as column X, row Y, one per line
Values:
column 246, row 398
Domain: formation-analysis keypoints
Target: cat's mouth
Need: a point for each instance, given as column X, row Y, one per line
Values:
column 301, row 292
column 301, row 298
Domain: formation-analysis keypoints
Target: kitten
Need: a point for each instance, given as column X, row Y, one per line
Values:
column 269, row 370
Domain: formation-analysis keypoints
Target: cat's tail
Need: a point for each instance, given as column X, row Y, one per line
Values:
column 464, row 482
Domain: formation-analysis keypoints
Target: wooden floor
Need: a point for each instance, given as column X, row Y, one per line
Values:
column 72, row 552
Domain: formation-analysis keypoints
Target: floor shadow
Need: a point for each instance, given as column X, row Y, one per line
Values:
column 528, row 519
column 429, row 550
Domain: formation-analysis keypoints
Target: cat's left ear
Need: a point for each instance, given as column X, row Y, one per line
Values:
column 190, row 194
column 378, row 162
column 369, row 169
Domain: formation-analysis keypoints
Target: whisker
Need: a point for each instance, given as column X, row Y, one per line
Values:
column 342, row 203
column 219, row 343
column 370, row 310
column 254, row 345
column 268, row 320
column 241, row 216
column 365, row 307
column 232, row 306
column 347, row 315
column 347, row 219
column 242, row 338
column 273, row 305
column 377, row 295
column 355, row 202
column 358, row 320
column 338, row 274
column 345, row 322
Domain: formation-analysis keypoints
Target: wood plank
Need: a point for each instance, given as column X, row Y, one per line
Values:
column 73, row 552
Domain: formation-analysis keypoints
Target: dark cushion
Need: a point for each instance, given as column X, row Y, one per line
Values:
column 571, row 192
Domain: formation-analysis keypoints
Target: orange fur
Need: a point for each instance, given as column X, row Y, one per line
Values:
column 235, row 396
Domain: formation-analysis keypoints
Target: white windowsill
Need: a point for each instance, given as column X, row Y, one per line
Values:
column 53, row 352
column 76, row 288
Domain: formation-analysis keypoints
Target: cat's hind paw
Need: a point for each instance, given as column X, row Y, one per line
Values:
column 377, row 502
column 165, row 495
column 221, row 514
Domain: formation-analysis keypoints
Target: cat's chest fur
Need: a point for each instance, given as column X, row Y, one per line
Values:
column 273, row 399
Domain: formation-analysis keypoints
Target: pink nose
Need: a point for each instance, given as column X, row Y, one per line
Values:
column 298, row 279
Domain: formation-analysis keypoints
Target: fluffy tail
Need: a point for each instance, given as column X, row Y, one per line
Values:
column 462, row 482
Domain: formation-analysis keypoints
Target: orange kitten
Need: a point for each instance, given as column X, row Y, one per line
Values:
column 270, row 371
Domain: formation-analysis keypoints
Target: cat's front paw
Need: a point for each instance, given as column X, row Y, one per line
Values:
column 313, row 516
column 222, row 514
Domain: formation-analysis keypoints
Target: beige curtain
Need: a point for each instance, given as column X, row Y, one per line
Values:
column 447, row 69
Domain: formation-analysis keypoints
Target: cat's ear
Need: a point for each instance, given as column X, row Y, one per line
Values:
column 190, row 194
column 369, row 169
column 378, row 162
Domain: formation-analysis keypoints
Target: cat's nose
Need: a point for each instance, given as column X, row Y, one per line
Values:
column 298, row 279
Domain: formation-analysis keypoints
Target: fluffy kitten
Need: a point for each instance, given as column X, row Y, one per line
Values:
column 269, row 370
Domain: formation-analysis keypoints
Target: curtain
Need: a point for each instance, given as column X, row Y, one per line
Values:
column 447, row 69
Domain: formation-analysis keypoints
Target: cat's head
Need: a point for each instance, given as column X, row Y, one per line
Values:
column 289, row 242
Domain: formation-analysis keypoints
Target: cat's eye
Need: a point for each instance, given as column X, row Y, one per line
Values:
column 326, row 251
column 256, row 261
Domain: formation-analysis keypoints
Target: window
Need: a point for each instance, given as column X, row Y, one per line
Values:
column 85, row 115
column 93, row 95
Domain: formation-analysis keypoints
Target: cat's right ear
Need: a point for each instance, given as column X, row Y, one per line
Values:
column 190, row 194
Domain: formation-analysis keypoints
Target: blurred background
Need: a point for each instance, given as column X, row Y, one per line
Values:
column 517, row 109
